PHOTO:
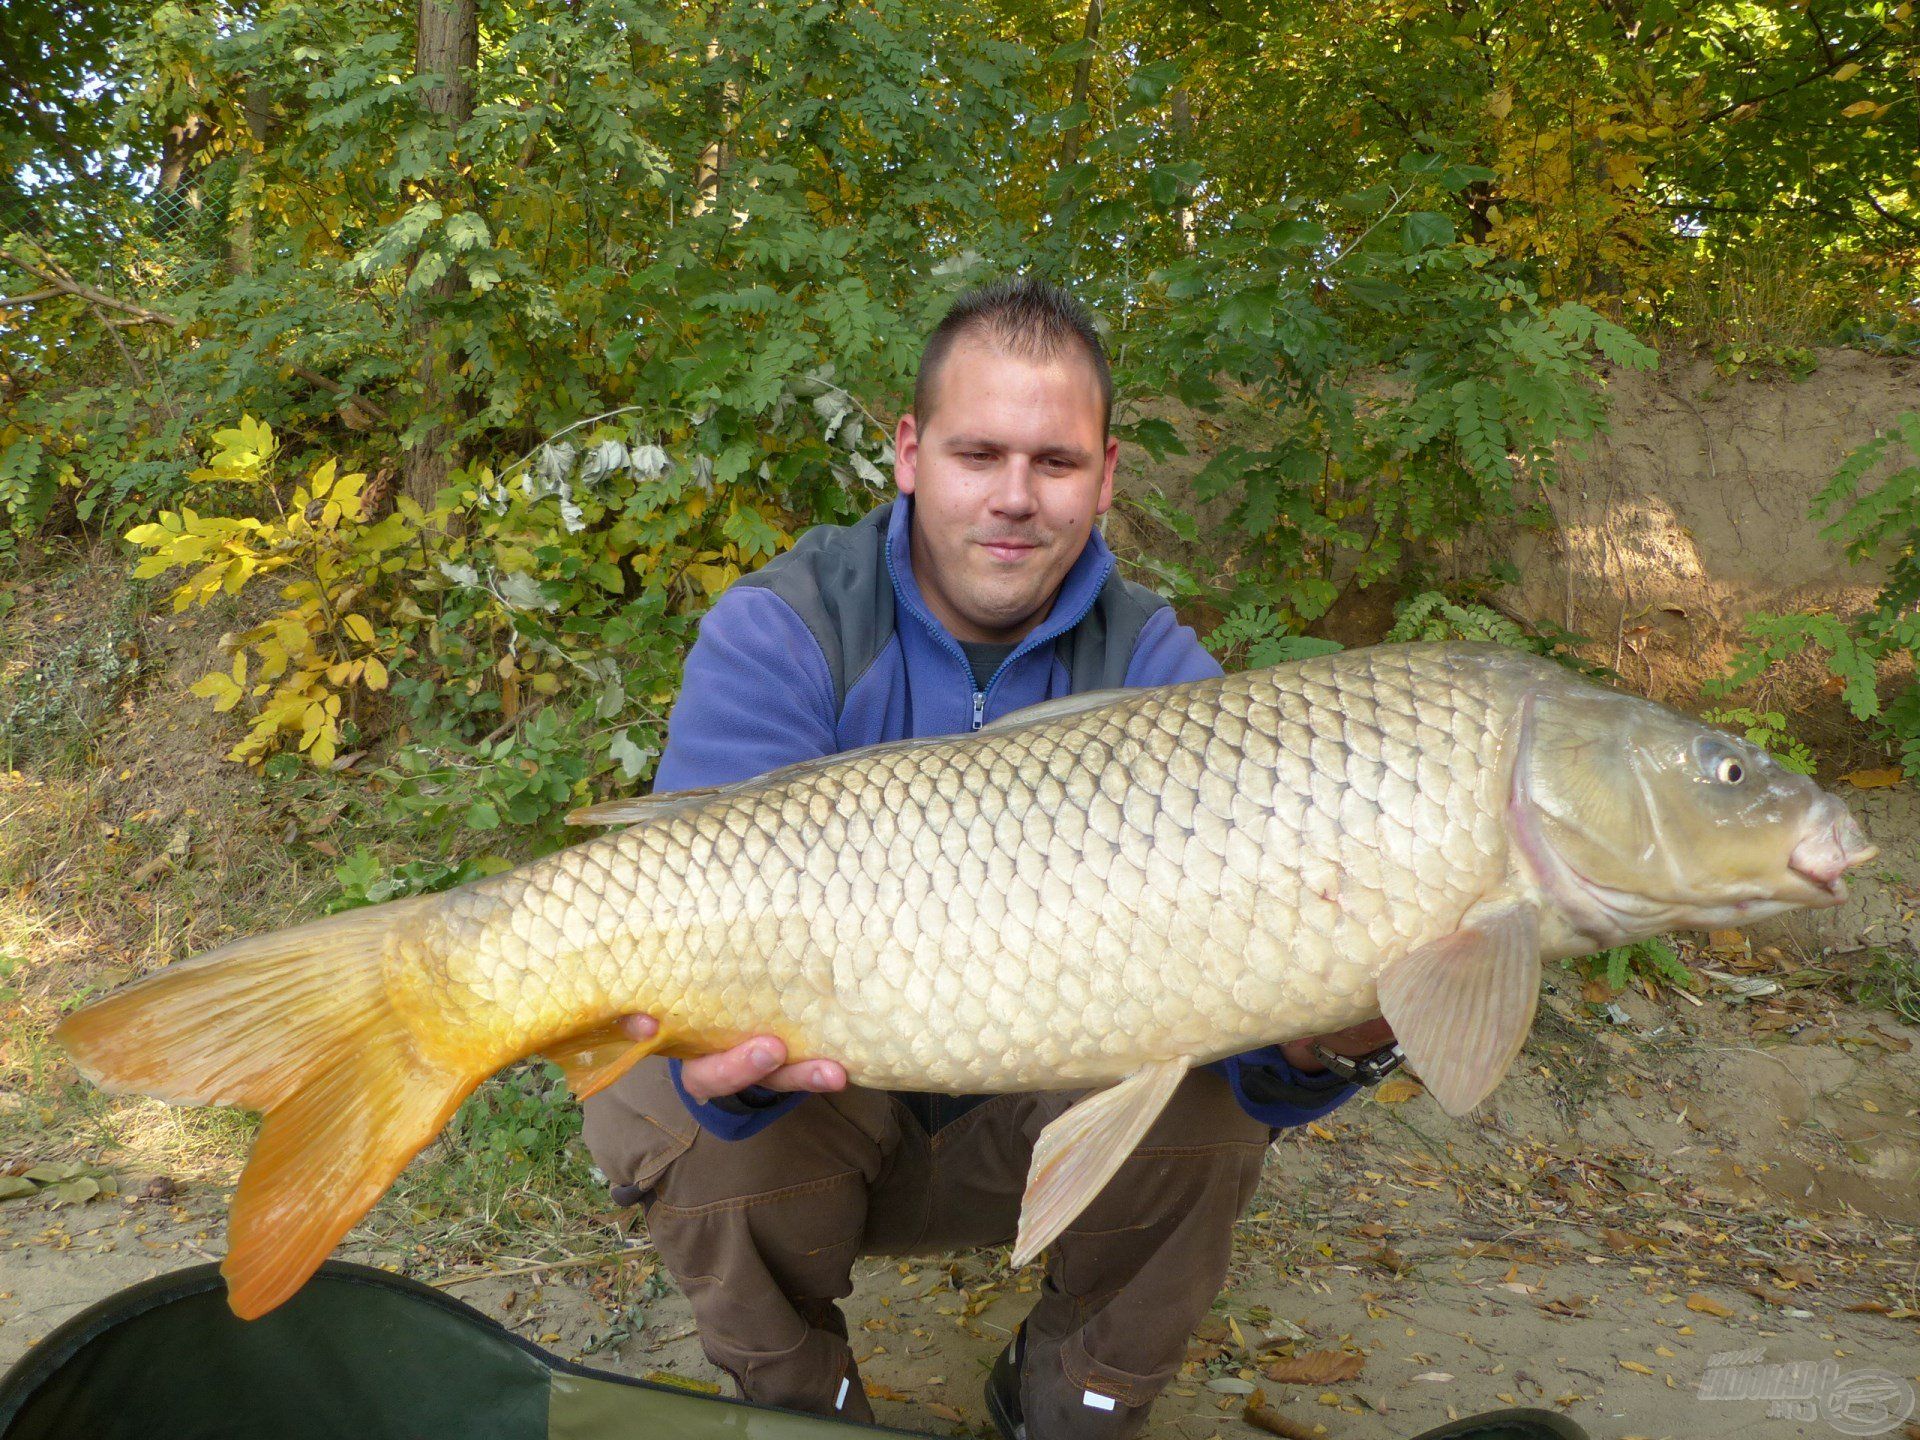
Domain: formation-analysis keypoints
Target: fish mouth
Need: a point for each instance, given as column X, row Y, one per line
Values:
column 1822, row 859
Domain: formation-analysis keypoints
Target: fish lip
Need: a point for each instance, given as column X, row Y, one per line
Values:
column 1833, row 887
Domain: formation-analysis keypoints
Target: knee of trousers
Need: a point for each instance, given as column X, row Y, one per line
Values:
column 747, row 1227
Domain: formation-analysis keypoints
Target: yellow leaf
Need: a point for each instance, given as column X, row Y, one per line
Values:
column 1707, row 1305
column 713, row 578
column 1862, row 107
column 1847, row 71
column 1874, row 779
column 375, row 673
column 360, row 628
column 322, row 482
column 1397, row 1090
column 323, row 748
column 1635, row 1366
column 218, row 688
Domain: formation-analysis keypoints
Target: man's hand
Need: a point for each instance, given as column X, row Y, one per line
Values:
column 1362, row 1039
column 759, row 1061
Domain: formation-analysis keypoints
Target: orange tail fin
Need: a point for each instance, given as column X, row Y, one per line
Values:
column 296, row 1024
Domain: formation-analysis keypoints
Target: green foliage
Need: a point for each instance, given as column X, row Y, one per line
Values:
column 1891, row 981
column 1433, row 615
column 1653, row 959
column 1255, row 637
column 365, row 881
column 1872, row 506
column 518, row 1129
column 1767, row 729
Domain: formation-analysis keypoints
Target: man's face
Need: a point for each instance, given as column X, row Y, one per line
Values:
column 1007, row 480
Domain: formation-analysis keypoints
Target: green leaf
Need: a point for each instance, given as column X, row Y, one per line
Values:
column 1424, row 229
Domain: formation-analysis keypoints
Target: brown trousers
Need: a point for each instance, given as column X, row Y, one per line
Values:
column 762, row 1234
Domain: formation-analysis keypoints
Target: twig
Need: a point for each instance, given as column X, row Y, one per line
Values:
column 573, row 1263
column 666, row 1340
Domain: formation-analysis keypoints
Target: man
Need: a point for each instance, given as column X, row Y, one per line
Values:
column 984, row 588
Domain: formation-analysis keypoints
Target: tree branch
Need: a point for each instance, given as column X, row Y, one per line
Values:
column 61, row 283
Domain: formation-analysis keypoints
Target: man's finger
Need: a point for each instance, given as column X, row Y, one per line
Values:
column 813, row 1075
column 730, row 1071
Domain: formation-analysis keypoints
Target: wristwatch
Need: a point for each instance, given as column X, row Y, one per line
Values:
column 1368, row 1069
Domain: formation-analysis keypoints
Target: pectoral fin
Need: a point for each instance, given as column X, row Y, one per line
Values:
column 1077, row 1154
column 595, row 1058
column 1461, row 1006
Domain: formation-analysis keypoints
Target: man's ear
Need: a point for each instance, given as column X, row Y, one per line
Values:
column 1111, row 460
column 906, row 453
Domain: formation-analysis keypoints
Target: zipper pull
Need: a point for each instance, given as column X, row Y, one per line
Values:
column 979, row 708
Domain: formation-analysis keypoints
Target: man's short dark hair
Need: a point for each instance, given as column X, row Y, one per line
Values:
column 1024, row 317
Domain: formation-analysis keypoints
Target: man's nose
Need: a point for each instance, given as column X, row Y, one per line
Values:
column 1013, row 492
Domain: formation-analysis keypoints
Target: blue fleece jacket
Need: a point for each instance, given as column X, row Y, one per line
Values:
column 758, row 694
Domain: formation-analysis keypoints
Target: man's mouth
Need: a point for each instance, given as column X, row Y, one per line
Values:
column 1008, row 549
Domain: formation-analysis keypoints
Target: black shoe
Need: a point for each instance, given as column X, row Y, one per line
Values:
column 1003, row 1388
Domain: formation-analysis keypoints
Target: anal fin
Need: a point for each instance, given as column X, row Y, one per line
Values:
column 1461, row 1006
column 1079, row 1152
column 594, row 1059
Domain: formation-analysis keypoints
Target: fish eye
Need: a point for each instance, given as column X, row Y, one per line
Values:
column 1729, row 771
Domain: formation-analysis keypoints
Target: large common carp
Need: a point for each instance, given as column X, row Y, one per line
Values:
column 1101, row 891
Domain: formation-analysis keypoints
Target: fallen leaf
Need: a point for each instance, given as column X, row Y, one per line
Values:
column 1316, row 1367
column 681, row 1382
column 1881, row 1038
column 1874, row 779
column 1636, row 1367
column 1398, row 1090
column 1388, row 1259
column 945, row 1412
column 1265, row 1417
column 1707, row 1305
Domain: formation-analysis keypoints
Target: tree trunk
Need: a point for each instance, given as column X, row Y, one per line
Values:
column 1183, row 136
column 180, row 149
column 446, row 47
column 1082, row 79
column 723, row 102
column 258, row 108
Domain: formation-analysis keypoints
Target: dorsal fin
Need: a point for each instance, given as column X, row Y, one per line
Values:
column 1056, row 709
column 635, row 808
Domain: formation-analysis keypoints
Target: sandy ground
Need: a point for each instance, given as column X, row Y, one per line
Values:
column 1640, row 1198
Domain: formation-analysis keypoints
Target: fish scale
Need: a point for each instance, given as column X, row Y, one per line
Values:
column 1204, row 868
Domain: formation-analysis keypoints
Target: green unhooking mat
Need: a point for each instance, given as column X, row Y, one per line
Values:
column 364, row 1354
